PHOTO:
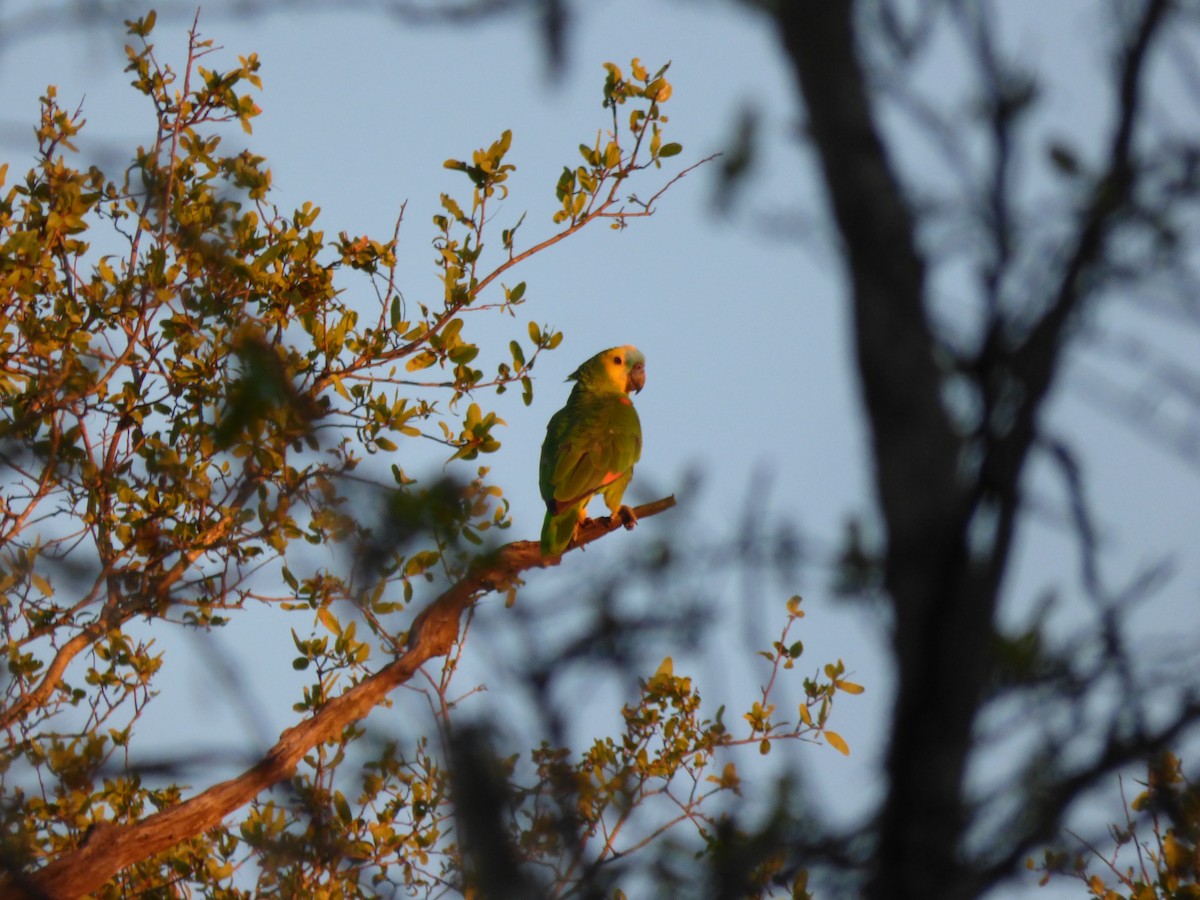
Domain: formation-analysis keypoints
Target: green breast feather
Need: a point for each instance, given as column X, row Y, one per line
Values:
column 591, row 445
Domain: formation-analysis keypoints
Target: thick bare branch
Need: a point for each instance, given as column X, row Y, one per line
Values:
column 111, row 848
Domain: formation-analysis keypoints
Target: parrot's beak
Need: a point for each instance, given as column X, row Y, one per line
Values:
column 637, row 378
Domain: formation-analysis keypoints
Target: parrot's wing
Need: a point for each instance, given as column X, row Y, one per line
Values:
column 588, row 449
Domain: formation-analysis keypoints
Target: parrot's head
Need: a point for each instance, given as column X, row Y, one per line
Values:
column 621, row 369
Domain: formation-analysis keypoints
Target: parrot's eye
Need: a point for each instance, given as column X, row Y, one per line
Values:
column 617, row 360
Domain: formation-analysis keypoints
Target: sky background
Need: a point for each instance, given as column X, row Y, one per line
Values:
column 741, row 316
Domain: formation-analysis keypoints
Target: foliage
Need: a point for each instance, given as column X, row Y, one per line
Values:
column 198, row 392
column 1161, row 865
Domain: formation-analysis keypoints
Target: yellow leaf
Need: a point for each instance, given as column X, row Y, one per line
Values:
column 422, row 360
column 729, row 777
column 850, row 687
column 329, row 620
column 837, row 742
column 1174, row 852
column 666, row 669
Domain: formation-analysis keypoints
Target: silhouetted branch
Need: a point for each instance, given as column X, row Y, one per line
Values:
column 1046, row 818
column 949, row 503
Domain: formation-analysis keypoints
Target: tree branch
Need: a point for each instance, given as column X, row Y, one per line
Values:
column 915, row 447
column 1050, row 807
column 111, row 848
column 1035, row 361
column 949, row 529
column 942, row 615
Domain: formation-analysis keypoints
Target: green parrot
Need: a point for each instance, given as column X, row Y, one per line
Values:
column 591, row 445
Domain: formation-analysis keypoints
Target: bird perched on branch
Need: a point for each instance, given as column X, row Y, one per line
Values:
column 591, row 445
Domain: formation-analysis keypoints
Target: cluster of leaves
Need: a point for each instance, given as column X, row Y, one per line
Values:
column 1162, row 833
column 188, row 394
column 591, row 189
column 424, row 820
column 577, row 820
column 388, row 824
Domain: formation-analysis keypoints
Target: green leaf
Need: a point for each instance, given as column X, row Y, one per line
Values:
column 464, row 354
column 671, row 149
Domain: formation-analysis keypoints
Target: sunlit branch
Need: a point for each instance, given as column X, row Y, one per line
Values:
column 434, row 633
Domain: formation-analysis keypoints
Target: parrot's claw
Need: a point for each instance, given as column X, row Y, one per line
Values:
column 628, row 517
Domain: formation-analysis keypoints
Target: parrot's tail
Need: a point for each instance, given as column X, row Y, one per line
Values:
column 557, row 531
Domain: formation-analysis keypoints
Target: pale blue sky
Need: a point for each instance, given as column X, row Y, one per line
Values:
column 742, row 322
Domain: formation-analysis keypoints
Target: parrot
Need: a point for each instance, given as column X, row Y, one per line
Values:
column 591, row 445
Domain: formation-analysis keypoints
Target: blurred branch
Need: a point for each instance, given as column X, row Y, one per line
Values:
column 949, row 503
column 1035, row 360
column 111, row 848
column 50, row 16
column 942, row 604
column 1046, row 812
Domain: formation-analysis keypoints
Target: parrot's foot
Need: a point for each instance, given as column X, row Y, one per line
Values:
column 628, row 517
